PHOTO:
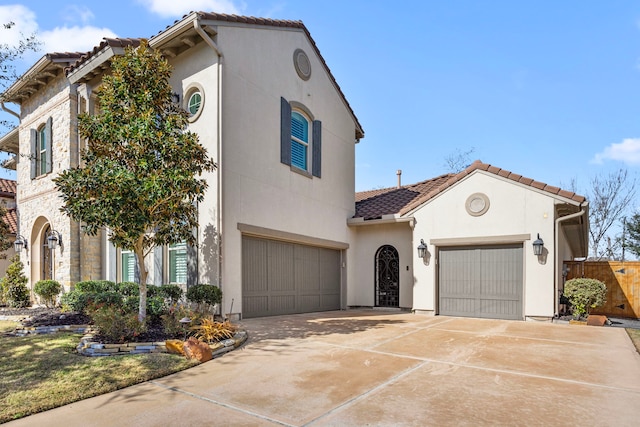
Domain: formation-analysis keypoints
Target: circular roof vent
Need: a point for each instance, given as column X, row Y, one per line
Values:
column 302, row 64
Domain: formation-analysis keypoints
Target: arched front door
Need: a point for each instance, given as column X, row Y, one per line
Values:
column 387, row 277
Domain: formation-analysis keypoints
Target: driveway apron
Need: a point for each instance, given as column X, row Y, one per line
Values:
column 385, row 368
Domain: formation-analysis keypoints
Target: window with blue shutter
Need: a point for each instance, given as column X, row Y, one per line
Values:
column 300, row 139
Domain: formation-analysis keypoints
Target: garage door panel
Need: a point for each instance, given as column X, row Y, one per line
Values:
column 482, row 281
column 283, row 278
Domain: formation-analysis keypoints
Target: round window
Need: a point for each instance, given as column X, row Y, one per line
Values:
column 195, row 100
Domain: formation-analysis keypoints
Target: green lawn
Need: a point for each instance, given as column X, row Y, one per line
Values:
column 634, row 334
column 42, row 372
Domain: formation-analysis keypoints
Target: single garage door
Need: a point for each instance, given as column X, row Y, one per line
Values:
column 481, row 281
column 285, row 278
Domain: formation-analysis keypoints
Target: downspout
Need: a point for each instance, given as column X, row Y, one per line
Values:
column 214, row 46
column 557, row 256
column 13, row 113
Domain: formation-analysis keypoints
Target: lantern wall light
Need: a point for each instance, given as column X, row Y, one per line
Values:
column 20, row 243
column 422, row 249
column 54, row 239
column 538, row 246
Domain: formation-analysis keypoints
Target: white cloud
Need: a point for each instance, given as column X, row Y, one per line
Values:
column 74, row 13
column 627, row 151
column 73, row 39
column 76, row 38
column 177, row 8
column 24, row 20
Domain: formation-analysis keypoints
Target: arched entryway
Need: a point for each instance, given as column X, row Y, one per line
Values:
column 387, row 274
column 40, row 254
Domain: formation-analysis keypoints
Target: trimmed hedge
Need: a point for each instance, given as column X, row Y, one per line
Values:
column 585, row 294
column 48, row 291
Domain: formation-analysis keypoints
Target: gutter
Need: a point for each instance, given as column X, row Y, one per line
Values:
column 556, row 260
column 13, row 113
column 209, row 41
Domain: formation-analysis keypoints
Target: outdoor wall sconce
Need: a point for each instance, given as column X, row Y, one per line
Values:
column 538, row 246
column 175, row 97
column 20, row 243
column 422, row 249
column 54, row 239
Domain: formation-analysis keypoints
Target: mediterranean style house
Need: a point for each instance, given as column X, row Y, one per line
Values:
column 281, row 229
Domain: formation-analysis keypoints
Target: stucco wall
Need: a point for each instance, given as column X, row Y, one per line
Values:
column 369, row 239
column 514, row 210
column 257, row 189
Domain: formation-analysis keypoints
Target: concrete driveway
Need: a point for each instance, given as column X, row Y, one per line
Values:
column 364, row 367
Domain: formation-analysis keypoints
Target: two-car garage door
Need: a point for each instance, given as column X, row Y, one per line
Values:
column 481, row 281
column 285, row 278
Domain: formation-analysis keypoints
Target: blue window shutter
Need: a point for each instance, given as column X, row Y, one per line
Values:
column 298, row 155
column 285, row 132
column 49, row 133
column 316, row 168
column 34, row 153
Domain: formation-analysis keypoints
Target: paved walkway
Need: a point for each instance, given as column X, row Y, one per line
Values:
column 363, row 367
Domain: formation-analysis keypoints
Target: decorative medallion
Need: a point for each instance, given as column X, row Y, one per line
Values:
column 477, row 204
column 302, row 64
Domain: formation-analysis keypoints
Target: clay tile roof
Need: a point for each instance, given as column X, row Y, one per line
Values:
column 111, row 42
column 11, row 218
column 375, row 203
column 7, row 186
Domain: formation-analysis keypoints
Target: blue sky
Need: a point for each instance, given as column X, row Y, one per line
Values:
column 547, row 89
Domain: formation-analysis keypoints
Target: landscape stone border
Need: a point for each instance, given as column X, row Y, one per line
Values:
column 91, row 348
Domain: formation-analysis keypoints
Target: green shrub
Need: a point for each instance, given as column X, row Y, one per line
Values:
column 116, row 324
column 14, row 285
column 585, row 294
column 76, row 301
column 155, row 305
column 171, row 320
column 204, row 296
column 171, row 293
column 96, row 286
column 48, row 291
column 129, row 289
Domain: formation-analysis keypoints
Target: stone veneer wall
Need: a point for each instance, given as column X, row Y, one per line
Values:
column 38, row 198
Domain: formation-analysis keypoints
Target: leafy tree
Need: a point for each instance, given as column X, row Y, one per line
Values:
column 632, row 238
column 14, row 284
column 9, row 54
column 142, row 167
column 5, row 243
column 609, row 198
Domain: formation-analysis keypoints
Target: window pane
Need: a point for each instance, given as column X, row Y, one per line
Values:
column 194, row 102
column 299, row 155
column 178, row 263
column 42, row 163
column 299, row 127
column 128, row 266
column 42, row 136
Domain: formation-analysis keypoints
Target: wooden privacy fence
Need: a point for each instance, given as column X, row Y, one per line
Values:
column 622, row 280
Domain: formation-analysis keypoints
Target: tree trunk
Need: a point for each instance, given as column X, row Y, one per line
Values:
column 142, row 312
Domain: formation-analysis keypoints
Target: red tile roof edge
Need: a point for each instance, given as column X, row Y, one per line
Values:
column 478, row 165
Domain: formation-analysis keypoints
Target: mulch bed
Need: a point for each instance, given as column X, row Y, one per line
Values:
column 42, row 316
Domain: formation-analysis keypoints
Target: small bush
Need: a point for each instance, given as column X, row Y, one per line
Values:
column 96, row 286
column 204, row 296
column 14, row 285
column 171, row 293
column 584, row 294
column 211, row 331
column 129, row 289
column 75, row 301
column 116, row 324
column 48, row 291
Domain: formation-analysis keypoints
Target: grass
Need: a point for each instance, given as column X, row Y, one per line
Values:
column 634, row 334
column 7, row 326
column 42, row 372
